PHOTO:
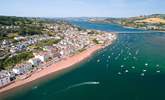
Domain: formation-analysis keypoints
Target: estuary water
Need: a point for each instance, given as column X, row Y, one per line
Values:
column 132, row 68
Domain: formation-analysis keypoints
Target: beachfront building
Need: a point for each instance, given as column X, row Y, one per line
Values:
column 4, row 78
column 43, row 56
column 22, row 68
column 35, row 61
column 111, row 36
column 53, row 50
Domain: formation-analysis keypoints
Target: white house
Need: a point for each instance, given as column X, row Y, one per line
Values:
column 22, row 68
column 35, row 61
column 19, row 38
column 4, row 80
column 43, row 56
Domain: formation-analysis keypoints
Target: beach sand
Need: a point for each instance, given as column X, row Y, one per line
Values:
column 61, row 65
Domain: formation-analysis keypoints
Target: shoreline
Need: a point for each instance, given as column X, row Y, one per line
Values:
column 54, row 68
column 143, row 29
column 128, row 26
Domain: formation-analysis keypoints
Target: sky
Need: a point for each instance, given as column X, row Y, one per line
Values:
column 81, row 8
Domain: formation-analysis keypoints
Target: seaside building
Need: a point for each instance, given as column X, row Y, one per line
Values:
column 22, row 68
column 111, row 36
column 4, row 78
column 35, row 61
column 53, row 50
column 43, row 56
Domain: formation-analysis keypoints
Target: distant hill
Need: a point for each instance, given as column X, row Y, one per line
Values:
column 151, row 20
column 157, row 15
column 147, row 22
column 13, row 26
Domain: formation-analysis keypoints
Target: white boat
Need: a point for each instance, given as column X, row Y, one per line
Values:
column 126, row 71
column 142, row 74
column 146, row 64
column 133, row 67
column 137, row 51
column 98, row 60
column 122, row 66
column 134, row 57
column 119, row 73
column 144, row 70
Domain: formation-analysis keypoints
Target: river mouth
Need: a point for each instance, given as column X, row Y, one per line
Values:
column 133, row 68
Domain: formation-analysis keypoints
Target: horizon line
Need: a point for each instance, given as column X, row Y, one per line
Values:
column 82, row 16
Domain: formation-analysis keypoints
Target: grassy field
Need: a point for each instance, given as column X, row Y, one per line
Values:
column 152, row 20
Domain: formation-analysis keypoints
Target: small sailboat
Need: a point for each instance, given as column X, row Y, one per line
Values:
column 119, row 73
column 146, row 64
column 134, row 57
column 98, row 60
column 142, row 74
column 133, row 67
column 144, row 70
column 122, row 66
column 126, row 71
column 157, row 65
column 137, row 51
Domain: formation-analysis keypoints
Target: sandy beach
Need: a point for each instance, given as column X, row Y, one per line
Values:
column 61, row 65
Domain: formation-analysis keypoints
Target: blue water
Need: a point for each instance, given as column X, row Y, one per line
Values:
column 106, row 27
column 132, row 68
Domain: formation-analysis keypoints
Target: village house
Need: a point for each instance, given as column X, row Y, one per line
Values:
column 111, row 36
column 4, row 78
column 35, row 61
column 18, row 38
column 43, row 56
column 53, row 50
column 22, row 68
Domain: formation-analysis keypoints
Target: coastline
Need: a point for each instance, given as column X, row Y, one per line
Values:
column 143, row 29
column 127, row 26
column 54, row 68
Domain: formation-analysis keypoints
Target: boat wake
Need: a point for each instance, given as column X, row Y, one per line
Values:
column 35, row 87
column 83, row 83
column 77, row 85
